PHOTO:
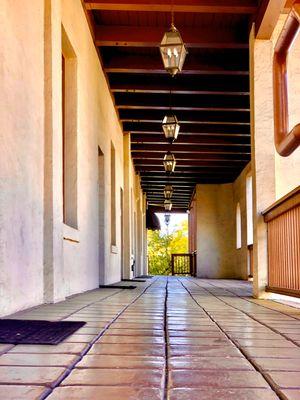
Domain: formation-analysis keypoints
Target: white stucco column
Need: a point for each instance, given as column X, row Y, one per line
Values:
column 54, row 288
column 127, row 273
column 263, row 154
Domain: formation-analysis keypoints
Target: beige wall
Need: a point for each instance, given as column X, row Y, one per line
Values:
column 239, row 196
column 41, row 258
column 215, row 232
column 217, row 252
column 274, row 176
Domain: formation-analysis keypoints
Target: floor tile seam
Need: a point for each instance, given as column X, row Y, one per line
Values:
column 273, row 387
column 93, row 341
column 274, row 330
column 252, row 302
column 166, row 337
column 58, row 320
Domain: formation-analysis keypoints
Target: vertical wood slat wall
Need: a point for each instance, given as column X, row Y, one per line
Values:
column 283, row 221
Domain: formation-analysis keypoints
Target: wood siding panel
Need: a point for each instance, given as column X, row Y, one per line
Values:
column 284, row 250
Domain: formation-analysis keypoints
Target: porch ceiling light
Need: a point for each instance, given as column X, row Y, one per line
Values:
column 173, row 51
column 167, row 218
column 168, row 191
column 169, row 162
column 171, row 127
column 168, row 205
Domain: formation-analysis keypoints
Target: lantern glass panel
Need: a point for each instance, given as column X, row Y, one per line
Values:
column 167, row 219
column 168, row 205
column 171, row 127
column 173, row 51
column 169, row 162
column 168, row 191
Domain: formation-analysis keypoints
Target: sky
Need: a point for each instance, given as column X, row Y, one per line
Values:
column 175, row 219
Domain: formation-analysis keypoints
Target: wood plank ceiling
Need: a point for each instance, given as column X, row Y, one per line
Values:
column 210, row 97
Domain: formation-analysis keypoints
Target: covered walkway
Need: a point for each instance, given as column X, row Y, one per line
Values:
column 170, row 338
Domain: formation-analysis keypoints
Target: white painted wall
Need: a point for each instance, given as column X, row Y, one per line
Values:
column 21, row 154
column 41, row 258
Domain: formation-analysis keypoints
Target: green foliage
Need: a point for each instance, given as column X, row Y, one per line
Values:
column 161, row 246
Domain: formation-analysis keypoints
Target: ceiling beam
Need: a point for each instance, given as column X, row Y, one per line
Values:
column 185, row 170
column 182, row 102
column 191, row 182
column 145, row 163
column 194, row 65
column 151, row 36
column 267, row 17
column 183, row 84
column 158, row 155
column 222, row 140
column 152, row 129
column 243, row 149
column 199, row 117
column 193, row 6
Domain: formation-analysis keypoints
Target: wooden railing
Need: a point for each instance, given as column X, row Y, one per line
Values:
column 184, row 264
column 283, row 219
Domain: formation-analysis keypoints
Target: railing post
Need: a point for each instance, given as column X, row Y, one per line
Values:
column 172, row 264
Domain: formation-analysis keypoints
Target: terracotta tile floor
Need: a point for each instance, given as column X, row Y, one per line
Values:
column 169, row 339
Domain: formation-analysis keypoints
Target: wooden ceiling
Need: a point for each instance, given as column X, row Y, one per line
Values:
column 210, row 97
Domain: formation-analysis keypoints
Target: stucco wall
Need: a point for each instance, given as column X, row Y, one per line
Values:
column 215, row 231
column 273, row 175
column 37, row 263
column 217, row 252
column 287, row 169
column 97, row 126
column 21, row 160
column 239, row 196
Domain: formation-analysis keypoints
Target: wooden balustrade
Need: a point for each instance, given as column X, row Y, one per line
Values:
column 283, row 219
column 184, row 264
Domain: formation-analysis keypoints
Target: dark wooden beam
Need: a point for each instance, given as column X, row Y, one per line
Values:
column 243, row 149
column 158, row 155
column 146, row 163
column 199, row 117
column 192, row 177
column 185, row 170
column 151, row 36
column 152, row 129
column 192, row 182
column 195, row 65
column 175, row 210
column 183, row 84
column 182, row 102
column 222, row 140
column 192, row 6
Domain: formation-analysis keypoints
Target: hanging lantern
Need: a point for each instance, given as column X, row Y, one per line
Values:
column 168, row 191
column 169, row 162
column 168, row 205
column 171, row 127
column 173, row 51
column 167, row 219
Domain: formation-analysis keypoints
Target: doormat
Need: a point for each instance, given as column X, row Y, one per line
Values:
column 146, row 276
column 134, row 280
column 19, row 331
column 117, row 287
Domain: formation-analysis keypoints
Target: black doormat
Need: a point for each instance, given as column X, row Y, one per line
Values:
column 117, row 287
column 146, row 276
column 19, row 331
column 134, row 280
